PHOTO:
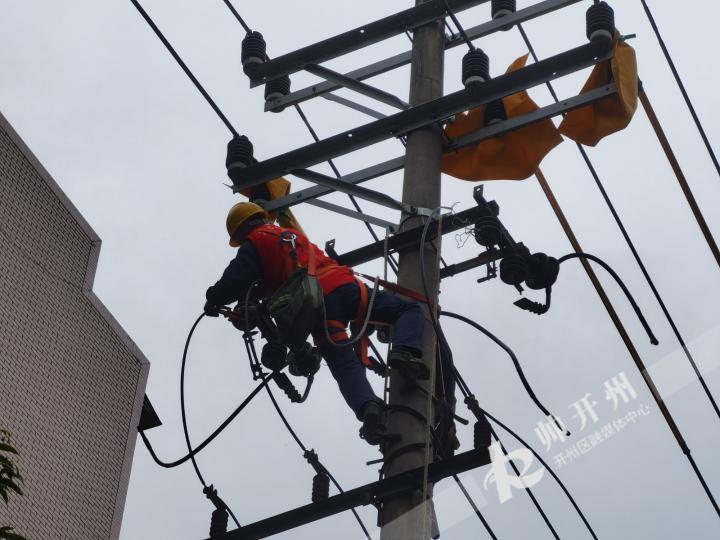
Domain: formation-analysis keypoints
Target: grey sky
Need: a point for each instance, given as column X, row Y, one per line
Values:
column 105, row 108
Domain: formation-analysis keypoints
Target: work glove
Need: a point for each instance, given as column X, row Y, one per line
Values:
column 211, row 310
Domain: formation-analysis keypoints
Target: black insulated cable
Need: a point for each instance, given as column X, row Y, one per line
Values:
column 547, row 468
column 184, row 67
column 515, row 361
column 680, row 84
column 646, row 377
column 304, row 449
column 459, row 27
column 474, row 507
column 212, row 436
column 620, row 283
column 237, row 16
column 182, row 400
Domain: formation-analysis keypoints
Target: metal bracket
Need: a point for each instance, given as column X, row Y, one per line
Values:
column 356, row 106
column 355, row 39
column 352, row 189
column 368, row 494
column 422, row 115
column 494, row 130
column 391, row 227
column 360, row 87
column 383, row 66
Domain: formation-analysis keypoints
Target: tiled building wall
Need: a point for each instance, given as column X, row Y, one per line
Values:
column 71, row 381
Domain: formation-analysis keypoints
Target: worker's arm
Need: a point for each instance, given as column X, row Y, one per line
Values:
column 242, row 271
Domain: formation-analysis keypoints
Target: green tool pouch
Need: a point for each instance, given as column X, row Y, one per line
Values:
column 296, row 307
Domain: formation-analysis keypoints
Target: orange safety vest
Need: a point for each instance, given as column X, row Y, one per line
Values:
column 278, row 263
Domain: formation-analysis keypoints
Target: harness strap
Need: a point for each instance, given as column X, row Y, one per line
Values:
column 389, row 285
column 356, row 324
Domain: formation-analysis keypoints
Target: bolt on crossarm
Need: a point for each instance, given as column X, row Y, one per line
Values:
column 406, row 516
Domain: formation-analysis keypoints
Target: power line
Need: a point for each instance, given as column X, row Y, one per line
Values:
column 304, row 449
column 636, row 357
column 680, row 84
column 184, row 67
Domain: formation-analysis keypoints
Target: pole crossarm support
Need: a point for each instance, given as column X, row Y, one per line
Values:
column 360, row 216
column 355, row 39
column 426, row 114
column 361, row 496
column 402, row 59
column 352, row 189
column 410, row 238
column 485, row 133
column 360, row 87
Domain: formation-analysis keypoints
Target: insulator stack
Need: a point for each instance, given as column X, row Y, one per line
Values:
column 239, row 152
column 600, row 20
column 488, row 232
column 276, row 89
column 481, row 434
column 495, row 112
column 253, row 51
column 286, row 385
column 218, row 523
column 475, row 68
column 503, row 8
column 273, row 356
column 542, row 271
column 513, row 269
column 320, row 487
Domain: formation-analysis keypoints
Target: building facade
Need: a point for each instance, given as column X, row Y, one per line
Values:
column 71, row 380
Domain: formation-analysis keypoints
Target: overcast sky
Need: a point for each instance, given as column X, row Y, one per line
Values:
column 105, row 108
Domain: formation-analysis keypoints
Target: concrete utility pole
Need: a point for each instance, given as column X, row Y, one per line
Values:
column 405, row 518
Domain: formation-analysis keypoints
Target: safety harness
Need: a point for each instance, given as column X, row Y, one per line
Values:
column 356, row 324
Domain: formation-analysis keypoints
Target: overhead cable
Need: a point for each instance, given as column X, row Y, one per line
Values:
column 675, row 164
column 184, row 67
column 633, row 352
column 680, row 84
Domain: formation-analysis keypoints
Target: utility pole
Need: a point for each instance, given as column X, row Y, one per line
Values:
column 406, row 517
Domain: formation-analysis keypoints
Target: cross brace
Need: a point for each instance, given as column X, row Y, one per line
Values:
column 361, row 496
column 411, row 237
column 355, row 39
column 383, row 66
column 485, row 133
column 422, row 115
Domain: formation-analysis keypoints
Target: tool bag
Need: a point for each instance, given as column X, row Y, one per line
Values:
column 297, row 305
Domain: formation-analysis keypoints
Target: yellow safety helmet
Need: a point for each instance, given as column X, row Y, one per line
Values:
column 238, row 215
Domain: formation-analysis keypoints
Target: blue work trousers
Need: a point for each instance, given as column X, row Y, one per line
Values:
column 341, row 305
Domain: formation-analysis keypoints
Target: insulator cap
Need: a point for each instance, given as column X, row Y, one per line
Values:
column 513, row 269
column 482, row 433
column 488, row 232
column 503, row 8
column 218, row 523
column 277, row 88
column 273, row 355
column 253, row 51
column 475, row 67
column 600, row 20
column 542, row 271
column 495, row 112
column 320, row 487
column 239, row 152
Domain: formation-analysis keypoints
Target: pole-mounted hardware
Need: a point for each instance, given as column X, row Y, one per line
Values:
column 372, row 493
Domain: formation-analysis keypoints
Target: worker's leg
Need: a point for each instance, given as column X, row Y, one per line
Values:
column 341, row 305
column 406, row 317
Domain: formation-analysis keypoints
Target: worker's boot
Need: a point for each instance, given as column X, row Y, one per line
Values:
column 373, row 428
column 410, row 366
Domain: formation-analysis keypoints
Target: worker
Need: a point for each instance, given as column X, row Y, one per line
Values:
column 264, row 256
